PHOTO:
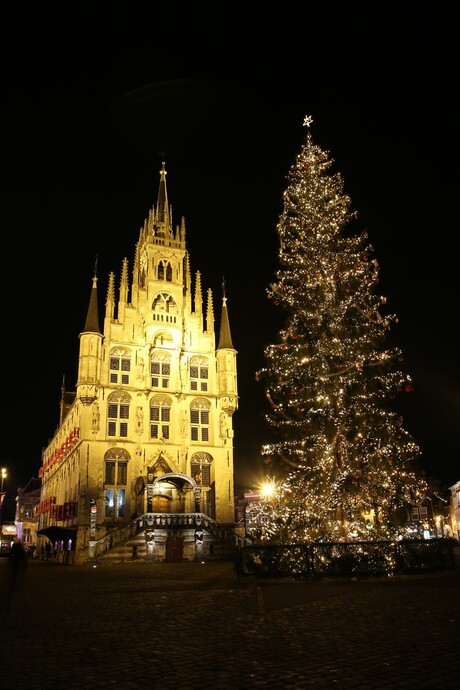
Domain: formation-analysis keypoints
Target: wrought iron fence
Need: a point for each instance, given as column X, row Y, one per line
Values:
column 344, row 559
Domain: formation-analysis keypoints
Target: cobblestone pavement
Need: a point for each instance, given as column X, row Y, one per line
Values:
column 193, row 626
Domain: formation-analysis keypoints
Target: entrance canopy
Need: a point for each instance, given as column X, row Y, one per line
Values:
column 176, row 479
column 56, row 533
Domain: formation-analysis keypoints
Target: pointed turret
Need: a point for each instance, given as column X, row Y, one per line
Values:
column 110, row 302
column 123, row 300
column 188, row 284
column 124, row 283
column 226, row 363
column 162, row 215
column 90, row 350
column 92, row 316
column 225, row 338
column 198, row 302
column 210, row 313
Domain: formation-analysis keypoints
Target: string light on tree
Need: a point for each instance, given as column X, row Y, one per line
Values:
column 348, row 464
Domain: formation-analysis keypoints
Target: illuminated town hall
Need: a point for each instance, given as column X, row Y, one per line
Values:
column 141, row 464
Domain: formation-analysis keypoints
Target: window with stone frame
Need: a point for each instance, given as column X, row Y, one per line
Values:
column 200, row 469
column 120, row 366
column 199, row 420
column 115, row 482
column 28, row 511
column 118, row 414
column 160, row 369
column 165, row 270
column 164, row 303
column 160, row 417
column 199, row 374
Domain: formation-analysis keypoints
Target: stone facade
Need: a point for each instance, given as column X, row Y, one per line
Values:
column 148, row 430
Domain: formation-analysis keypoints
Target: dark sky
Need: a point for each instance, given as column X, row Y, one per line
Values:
column 92, row 98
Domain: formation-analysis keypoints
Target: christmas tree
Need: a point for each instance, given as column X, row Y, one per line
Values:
column 348, row 465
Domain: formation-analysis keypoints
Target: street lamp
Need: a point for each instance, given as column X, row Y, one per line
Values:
column 4, row 475
column 432, row 520
column 270, row 492
column 439, row 526
column 267, row 490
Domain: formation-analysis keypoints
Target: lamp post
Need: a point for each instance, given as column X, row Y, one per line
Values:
column 439, row 525
column 432, row 520
column 4, row 475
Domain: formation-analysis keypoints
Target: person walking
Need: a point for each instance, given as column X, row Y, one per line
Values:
column 18, row 563
column 47, row 550
column 18, row 556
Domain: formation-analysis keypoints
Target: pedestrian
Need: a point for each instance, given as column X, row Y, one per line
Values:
column 18, row 564
column 47, row 550
column 18, row 555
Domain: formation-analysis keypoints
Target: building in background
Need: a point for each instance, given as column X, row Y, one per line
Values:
column 141, row 464
column 455, row 509
column 26, row 517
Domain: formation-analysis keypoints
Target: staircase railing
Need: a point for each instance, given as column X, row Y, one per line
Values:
column 175, row 521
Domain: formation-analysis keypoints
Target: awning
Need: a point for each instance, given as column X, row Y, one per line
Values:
column 176, row 479
column 56, row 533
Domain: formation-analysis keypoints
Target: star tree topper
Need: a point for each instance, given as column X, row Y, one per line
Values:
column 307, row 121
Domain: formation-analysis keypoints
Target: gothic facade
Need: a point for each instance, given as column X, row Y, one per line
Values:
column 141, row 464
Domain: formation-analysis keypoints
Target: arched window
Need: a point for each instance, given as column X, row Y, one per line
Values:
column 163, row 339
column 164, row 302
column 118, row 414
column 120, row 366
column 200, row 469
column 199, row 371
column 115, row 482
column 164, row 308
column 199, row 419
column 165, row 271
column 160, row 417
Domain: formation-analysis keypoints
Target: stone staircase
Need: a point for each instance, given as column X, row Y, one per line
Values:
column 167, row 537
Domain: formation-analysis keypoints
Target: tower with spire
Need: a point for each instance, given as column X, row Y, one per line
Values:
column 141, row 464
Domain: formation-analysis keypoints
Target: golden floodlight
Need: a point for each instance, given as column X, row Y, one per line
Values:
column 267, row 489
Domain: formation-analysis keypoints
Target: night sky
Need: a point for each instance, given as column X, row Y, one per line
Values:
column 92, row 102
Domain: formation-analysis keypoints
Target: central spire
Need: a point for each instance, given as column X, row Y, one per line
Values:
column 162, row 215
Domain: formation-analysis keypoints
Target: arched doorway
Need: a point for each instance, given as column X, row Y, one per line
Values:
column 172, row 493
